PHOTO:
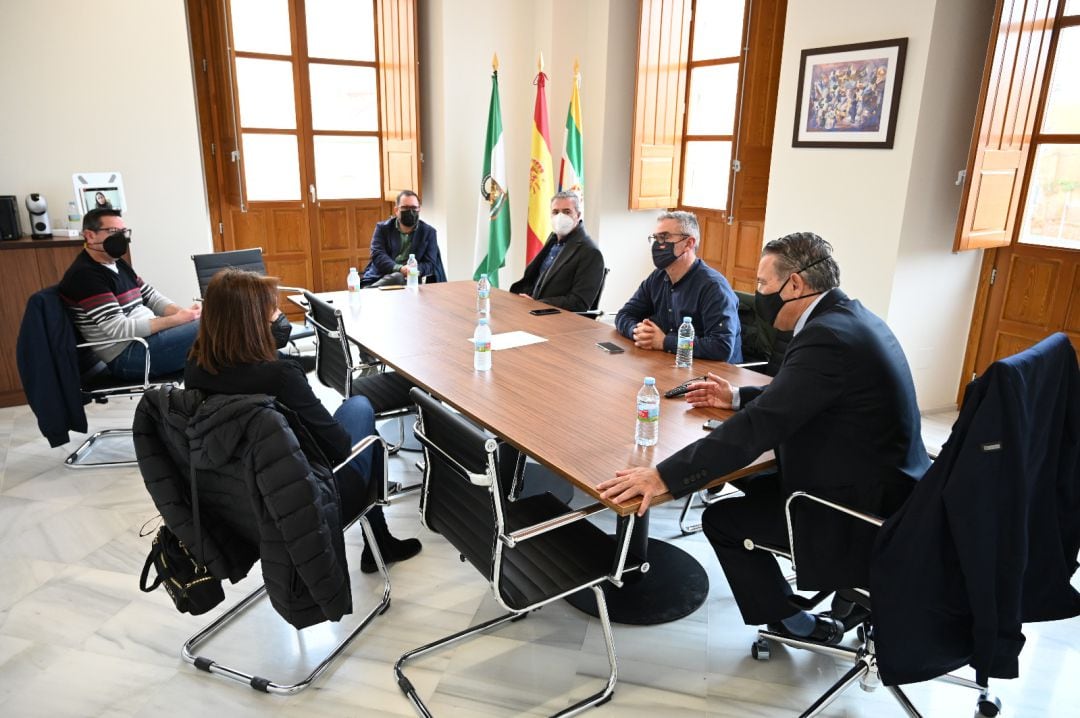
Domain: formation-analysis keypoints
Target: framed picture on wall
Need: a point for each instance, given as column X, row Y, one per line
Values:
column 849, row 95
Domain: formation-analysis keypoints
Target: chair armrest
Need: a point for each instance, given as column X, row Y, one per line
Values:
column 529, row 532
column 140, row 340
column 750, row 364
column 362, row 446
column 594, row 313
column 846, row 510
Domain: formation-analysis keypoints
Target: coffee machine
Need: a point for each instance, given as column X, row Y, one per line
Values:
column 40, row 226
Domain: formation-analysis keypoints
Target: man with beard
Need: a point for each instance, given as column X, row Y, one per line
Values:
column 398, row 237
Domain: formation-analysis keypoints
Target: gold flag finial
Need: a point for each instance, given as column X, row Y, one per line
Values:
column 577, row 68
column 495, row 61
column 540, row 62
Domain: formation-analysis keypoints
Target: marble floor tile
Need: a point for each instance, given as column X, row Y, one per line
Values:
column 77, row 637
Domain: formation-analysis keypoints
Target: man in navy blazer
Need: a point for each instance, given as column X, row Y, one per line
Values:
column 842, row 417
column 398, row 237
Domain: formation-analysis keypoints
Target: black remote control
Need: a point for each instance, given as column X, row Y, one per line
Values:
column 682, row 388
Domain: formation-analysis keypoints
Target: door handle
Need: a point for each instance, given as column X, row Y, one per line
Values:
column 311, row 192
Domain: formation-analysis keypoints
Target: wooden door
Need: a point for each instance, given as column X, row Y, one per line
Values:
column 296, row 126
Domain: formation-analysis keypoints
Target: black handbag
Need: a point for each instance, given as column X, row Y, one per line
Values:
column 190, row 585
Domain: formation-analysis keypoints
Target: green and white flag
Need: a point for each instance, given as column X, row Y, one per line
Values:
column 572, row 168
column 493, row 216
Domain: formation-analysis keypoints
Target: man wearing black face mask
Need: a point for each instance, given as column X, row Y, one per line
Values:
column 842, row 417
column 682, row 286
column 398, row 237
column 109, row 302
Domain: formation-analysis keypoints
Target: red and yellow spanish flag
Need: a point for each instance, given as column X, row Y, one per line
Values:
column 541, row 172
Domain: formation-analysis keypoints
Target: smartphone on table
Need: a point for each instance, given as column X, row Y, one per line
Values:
column 610, row 347
column 542, row 312
column 712, row 424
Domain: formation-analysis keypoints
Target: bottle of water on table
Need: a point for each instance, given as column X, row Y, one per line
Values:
column 353, row 282
column 483, row 296
column 684, row 356
column 413, row 280
column 482, row 346
column 648, row 414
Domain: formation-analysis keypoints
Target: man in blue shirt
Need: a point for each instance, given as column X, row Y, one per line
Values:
column 682, row 286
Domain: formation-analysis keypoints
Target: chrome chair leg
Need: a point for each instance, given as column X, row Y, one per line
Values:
column 604, row 695
column 75, row 459
column 853, row 676
column 904, row 702
column 266, row 685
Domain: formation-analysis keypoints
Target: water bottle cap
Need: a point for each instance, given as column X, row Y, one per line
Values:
column 483, row 276
column 483, row 321
column 686, row 319
column 412, row 256
column 351, row 269
column 650, row 381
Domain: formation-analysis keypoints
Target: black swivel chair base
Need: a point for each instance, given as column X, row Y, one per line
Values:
column 596, row 699
column 265, row 685
column 78, row 458
column 864, row 672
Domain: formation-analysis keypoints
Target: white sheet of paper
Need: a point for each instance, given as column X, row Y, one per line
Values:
column 509, row 340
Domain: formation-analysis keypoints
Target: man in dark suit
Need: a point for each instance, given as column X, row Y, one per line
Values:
column 842, row 418
column 398, row 237
column 569, row 269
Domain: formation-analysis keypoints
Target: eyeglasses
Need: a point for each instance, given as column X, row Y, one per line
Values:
column 126, row 232
column 664, row 238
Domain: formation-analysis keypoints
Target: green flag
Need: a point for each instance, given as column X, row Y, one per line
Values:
column 493, row 216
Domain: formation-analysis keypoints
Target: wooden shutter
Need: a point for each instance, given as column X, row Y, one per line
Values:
column 659, row 103
column 399, row 92
column 1011, row 91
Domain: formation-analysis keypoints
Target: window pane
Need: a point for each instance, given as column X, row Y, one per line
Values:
column 343, row 98
column 271, row 167
column 1063, row 103
column 261, row 26
column 347, row 167
column 341, row 29
column 705, row 174
column 1052, row 215
column 717, row 29
column 1072, row 7
column 713, row 91
column 266, row 94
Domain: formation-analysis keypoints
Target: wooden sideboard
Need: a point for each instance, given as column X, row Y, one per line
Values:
column 26, row 265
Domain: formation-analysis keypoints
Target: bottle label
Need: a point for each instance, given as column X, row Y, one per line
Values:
column 482, row 345
column 686, row 343
column 483, row 293
column 648, row 412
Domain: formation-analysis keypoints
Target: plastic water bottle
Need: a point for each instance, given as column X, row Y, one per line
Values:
column 684, row 356
column 413, row 280
column 648, row 414
column 353, row 281
column 74, row 219
column 483, row 296
column 482, row 347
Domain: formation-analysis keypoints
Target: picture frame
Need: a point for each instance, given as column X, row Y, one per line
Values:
column 849, row 95
column 98, row 189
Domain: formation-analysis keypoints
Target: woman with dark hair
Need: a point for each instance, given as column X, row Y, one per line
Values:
column 235, row 353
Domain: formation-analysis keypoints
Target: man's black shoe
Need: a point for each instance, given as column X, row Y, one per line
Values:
column 827, row 631
column 855, row 617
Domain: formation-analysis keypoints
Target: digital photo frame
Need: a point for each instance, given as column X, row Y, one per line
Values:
column 98, row 189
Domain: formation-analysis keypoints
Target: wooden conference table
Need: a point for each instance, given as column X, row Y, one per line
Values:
column 564, row 402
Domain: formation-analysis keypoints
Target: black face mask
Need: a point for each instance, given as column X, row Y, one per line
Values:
column 408, row 217
column 663, row 257
column 768, row 306
column 282, row 330
column 116, row 245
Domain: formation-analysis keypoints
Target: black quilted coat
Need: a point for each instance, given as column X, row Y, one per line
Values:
column 259, row 496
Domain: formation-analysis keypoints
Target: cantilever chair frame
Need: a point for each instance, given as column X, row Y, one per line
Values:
column 864, row 671
column 266, row 685
column 338, row 334
column 504, row 540
column 75, row 459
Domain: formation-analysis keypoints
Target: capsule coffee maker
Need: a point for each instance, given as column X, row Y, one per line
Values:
column 40, row 226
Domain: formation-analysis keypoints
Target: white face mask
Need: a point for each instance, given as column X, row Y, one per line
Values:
column 562, row 224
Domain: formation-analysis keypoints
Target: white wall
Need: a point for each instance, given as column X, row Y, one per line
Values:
column 455, row 91
column 890, row 214
column 107, row 86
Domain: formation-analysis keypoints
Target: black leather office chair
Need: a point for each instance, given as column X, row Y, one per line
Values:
column 234, row 534
column 594, row 311
column 532, row 552
column 336, row 368
column 251, row 260
column 60, row 383
column 986, row 541
column 763, row 349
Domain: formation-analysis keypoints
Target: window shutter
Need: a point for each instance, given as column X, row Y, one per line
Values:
column 399, row 93
column 1011, row 89
column 659, row 103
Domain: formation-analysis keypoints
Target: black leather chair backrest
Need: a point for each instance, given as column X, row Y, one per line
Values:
column 463, row 512
column 207, row 265
column 600, row 291
column 334, row 361
column 761, row 342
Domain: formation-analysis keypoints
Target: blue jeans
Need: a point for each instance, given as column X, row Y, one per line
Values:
column 358, row 418
column 168, row 353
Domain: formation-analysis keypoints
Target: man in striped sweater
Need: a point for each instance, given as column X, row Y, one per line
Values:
column 110, row 302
